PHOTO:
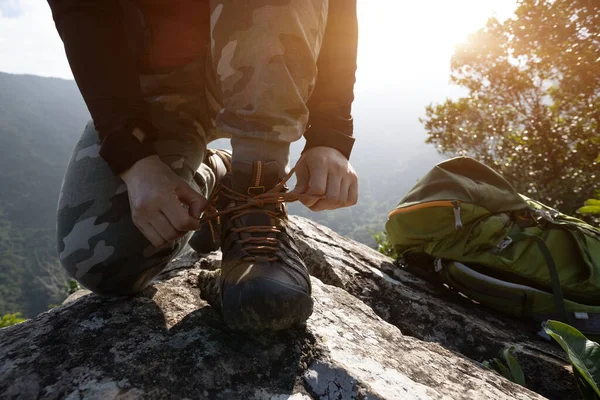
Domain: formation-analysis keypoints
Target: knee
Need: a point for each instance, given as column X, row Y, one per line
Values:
column 106, row 281
column 105, row 257
column 105, row 273
column 100, row 247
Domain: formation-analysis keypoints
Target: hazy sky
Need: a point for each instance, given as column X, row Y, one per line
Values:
column 403, row 44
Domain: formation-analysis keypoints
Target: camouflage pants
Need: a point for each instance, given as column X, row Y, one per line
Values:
column 252, row 85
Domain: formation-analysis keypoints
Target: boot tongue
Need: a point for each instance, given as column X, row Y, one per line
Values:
column 254, row 178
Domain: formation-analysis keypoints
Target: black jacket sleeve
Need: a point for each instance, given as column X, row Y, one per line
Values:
column 330, row 121
column 105, row 69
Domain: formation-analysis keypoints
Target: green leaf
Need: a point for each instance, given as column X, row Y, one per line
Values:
column 503, row 370
column 583, row 354
column 513, row 365
column 589, row 210
column 590, row 207
column 586, row 392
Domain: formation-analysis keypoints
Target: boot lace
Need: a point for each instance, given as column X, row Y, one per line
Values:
column 257, row 246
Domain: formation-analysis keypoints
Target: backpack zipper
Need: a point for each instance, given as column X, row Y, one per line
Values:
column 455, row 204
column 456, row 208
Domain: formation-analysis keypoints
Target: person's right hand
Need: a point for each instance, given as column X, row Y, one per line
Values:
column 163, row 206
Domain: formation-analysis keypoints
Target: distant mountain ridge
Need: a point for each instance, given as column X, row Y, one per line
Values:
column 40, row 121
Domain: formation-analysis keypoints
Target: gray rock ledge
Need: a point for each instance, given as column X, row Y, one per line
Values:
column 168, row 342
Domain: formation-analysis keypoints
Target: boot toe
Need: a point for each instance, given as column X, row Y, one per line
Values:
column 265, row 304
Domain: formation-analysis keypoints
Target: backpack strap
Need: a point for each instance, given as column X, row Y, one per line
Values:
column 587, row 323
column 559, row 300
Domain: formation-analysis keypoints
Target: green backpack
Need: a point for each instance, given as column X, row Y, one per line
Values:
column 465, row 226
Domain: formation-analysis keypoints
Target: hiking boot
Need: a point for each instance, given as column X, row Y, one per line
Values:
column 208, row 236
column 264, row 282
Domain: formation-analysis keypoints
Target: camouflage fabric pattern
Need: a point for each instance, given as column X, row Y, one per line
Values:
column 253, row 82
column 266, row 67
column 98, row 243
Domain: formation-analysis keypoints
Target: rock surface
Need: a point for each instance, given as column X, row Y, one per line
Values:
column 377, row 332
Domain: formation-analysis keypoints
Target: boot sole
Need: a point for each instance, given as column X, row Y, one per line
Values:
column 264, row 304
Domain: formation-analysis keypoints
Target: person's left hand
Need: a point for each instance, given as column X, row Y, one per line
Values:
column 325, row 180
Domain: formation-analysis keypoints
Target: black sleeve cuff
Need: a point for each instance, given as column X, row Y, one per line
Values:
column 121, row 149
column 329, row 138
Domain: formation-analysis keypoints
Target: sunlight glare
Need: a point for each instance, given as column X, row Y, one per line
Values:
column 401, row 41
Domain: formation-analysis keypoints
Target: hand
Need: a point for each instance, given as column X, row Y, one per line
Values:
column 325, row 180
column 163, row 206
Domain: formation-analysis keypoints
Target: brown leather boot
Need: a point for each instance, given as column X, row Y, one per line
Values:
column 264, row 282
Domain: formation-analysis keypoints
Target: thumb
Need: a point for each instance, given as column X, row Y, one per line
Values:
column 302, row 177
column 194, row 200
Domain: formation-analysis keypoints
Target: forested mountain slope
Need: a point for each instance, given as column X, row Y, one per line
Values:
column 40, row 120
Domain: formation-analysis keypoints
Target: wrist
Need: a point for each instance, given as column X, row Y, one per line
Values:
column 123, row 147
column 333, row 139
column 133, row 172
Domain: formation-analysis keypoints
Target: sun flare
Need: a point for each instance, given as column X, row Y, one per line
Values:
column 399, row 40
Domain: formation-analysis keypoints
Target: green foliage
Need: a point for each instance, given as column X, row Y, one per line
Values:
column 514, row 367
column 590, row 207
column 508, row 367
column 11, row 319
column 383, row 244
column 583, row 354
column 24, row 281
column 19, row 287
column 533, row 105
column 72, row 286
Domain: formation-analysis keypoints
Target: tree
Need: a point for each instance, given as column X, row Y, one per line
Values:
column 533, row 105
column 52, row 276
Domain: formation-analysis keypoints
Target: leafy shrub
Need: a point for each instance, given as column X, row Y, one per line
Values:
column 383, row 244
column 11, row 319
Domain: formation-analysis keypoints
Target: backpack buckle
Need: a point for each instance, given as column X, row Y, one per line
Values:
column 581, row 315
column 505, row 243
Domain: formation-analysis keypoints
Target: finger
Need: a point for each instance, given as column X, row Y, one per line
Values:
column 344, row 189
column 150, row 233
column 164, row 228
column 179, row 216
column 353, row 194
column 309, row 200
column 194, row 200
column 302, row 177
column 317, row 188
column 333, row 193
